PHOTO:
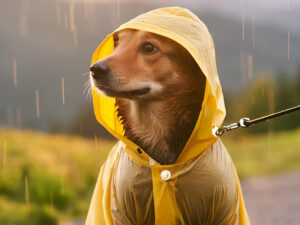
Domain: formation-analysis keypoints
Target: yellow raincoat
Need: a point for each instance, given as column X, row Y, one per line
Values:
column 202, row 187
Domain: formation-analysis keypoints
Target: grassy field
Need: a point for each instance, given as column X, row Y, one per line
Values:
column 264, row 154
column 47, row 178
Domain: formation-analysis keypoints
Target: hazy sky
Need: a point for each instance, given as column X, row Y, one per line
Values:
column 220, row 4
column 262, row 10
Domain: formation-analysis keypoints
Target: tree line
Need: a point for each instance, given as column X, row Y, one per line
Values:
column 265, row 95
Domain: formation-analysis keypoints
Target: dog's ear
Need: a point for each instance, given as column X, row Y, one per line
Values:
column 189, row 64
column 184, row 61
column 191, row 69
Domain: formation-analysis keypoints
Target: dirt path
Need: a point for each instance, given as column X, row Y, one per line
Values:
column 273, row 200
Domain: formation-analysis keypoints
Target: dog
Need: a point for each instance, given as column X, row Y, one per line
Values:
column 159, row 90
column 156, row 88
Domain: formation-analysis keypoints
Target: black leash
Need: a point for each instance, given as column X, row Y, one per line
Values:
column 246, row 122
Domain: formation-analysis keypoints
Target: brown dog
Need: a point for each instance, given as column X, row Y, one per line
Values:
column 185, row 174
column 159, row 90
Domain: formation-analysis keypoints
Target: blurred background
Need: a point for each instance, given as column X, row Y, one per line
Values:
column 51, row 147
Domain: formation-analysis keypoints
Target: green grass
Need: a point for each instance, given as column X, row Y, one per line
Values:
column 264, row 154
column 61, row 170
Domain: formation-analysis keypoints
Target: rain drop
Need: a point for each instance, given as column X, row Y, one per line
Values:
column 118, row 11
column 37, row 103
column 85, row 10
column 23, row 25
column 250, row 66
column 289, row 45
column 66, row 20
column 18, row 116
column 243, row 27
column 96, row 142
column 51, row 201
column 271, row 104
column 58, row 13
column 15, row 72
column 4, row 153
column 73, row 27
column 63, row 90
column 253, row 32
column 26, row 191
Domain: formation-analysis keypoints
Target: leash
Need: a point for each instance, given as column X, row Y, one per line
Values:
column 246, row 122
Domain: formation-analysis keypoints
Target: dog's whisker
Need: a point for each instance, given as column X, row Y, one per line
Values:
column 85, row 86
column 87, row 83
column 87, row 91
column 88, row 94
column 86, row 73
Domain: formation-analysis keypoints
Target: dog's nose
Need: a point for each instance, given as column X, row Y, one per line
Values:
column 100, row 70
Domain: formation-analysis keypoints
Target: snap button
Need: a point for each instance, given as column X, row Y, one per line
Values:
column 139, row 150
column 165, row 174
column 152, row 162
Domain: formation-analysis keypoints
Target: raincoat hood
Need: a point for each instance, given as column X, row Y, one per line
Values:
column 186, row 29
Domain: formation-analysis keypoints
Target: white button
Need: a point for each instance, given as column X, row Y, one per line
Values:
column 165, row 174
column 152, row 162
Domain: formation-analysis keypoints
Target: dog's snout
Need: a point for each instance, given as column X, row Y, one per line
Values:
column 100, row 70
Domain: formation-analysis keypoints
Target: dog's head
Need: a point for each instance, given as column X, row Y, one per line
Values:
column 144, row 65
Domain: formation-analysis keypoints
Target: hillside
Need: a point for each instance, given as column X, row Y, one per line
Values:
column 51, row 40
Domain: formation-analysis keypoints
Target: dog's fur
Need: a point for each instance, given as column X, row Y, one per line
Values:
column 159, row 90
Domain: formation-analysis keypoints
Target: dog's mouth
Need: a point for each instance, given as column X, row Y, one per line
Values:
column 123, row 94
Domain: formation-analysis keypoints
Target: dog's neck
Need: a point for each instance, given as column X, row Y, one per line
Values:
column 161, row 128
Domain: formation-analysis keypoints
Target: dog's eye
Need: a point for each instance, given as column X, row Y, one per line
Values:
column 148, row 48
column 116, row 41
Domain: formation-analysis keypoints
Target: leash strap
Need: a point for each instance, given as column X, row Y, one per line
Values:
column 246, row 122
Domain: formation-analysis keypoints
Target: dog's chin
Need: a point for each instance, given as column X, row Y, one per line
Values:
column 130, row 94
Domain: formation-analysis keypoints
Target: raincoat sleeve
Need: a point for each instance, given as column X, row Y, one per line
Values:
column 99, row 211
column 224, row 207
column 227, row 207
